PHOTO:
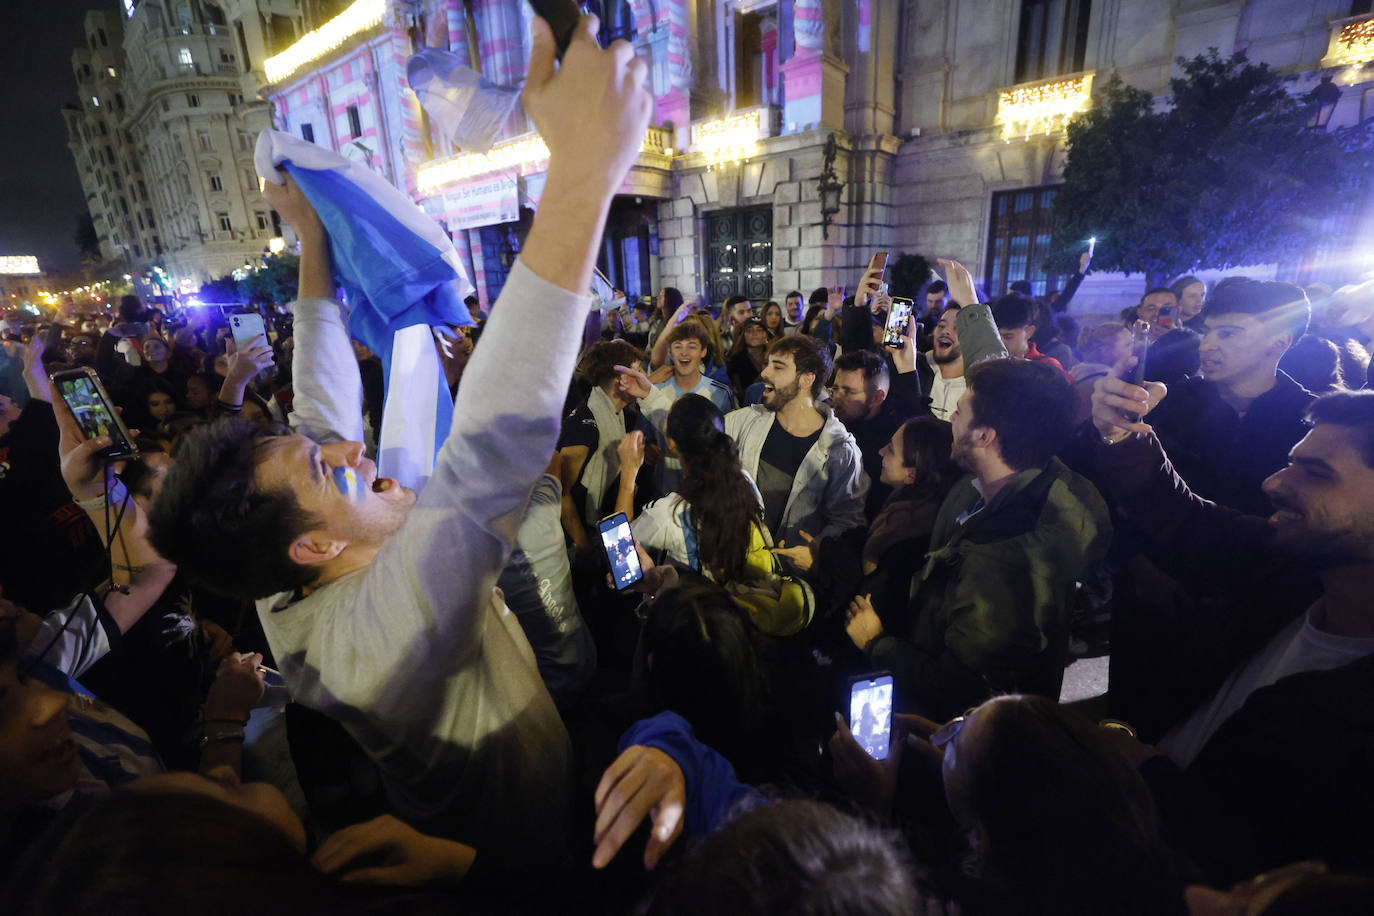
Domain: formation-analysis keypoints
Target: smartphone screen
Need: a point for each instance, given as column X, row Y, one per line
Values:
column 897, row 317
column 86, row 398
column 245, row 329
column 1168, row 317
column 620, row 550
column 870, row 712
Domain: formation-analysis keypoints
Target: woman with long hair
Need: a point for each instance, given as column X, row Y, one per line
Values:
column 708, row 524
column 773, row 320
column 749, row 355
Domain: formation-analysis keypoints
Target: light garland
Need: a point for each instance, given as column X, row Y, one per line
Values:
column 15, row 265
column 361, row 16
column 529, row 150
column 734, row 138
column 1355, row 43
column 1044, row 108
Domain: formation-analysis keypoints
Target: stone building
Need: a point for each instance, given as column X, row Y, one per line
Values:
column 164, row 129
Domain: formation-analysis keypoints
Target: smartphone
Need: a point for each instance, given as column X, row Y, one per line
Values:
column 245, row 328
column 1092, row 247
column 562, row 17
column 878, row 262
column 897, row 317
column 1168, row 317
column 870, row 712
column 52, row 338
column 1140, row 345
column 83, row 394
column 620, row 550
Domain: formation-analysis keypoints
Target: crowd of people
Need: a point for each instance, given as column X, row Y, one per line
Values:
column 241, row 669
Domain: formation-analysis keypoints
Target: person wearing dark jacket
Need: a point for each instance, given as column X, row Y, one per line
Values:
column 1281, row 731
column 990, row 613
column 1229, row 429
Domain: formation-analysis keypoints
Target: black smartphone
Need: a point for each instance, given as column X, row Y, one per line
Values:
column 870, row 712
column 83, row 394
column 619, row 542
column 562, row 17
column 897, row 317
column 1168, row 317
column 52, row 338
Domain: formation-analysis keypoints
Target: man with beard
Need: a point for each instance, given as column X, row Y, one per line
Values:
column 807, row 465
column 1281, row 675
column 942, row 369
column 991, row 612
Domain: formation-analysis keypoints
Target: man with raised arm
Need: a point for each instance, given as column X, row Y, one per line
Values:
column 380, row 606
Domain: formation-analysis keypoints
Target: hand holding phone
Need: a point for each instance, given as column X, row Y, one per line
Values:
column 94, row 412
column 621, row 553
column 245, row 328
column 872, row 280
column 562, row 17
column 894, row 334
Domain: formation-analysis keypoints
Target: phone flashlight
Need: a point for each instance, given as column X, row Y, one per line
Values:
column 1092, row 246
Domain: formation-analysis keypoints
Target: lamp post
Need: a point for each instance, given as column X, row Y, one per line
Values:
column 830, row 187
column 1323, row 101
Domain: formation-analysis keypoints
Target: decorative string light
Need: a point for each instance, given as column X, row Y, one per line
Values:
column 734, row 138
column 15, row 265
column 361, row 16
column 1043, row 108
column 529, row 150
column 1353, row 48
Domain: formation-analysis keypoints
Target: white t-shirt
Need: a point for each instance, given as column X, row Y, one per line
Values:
column 944, row 392
column 1297, row 648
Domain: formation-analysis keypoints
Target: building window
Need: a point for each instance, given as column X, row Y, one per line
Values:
column 104, row 43
column 184, row 57
column 308, row 132
column 192, row 100
column 166, row 106
column 215, row 183
column 148, row 216
column 756, row 58
column 355, row 123
column 245, row 142
column 112, row 71
column 203, row 138
column 143, row 194
column 261, row 219
column 95, row 101
column 157, row 244
column 224, row 224
column 225, row 57
column 181, row 150
column 185, row 184
column 117, row 181
column 235, row 99
column 740, row 253
column 1019, row 242
column 1052, row 38
column 109, row 155
column 104, row 132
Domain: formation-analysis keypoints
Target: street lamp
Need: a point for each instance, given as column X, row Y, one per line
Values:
column 830, row 187
column 1323, row 101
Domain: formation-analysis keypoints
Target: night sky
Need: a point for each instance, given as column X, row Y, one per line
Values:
column 40, row 195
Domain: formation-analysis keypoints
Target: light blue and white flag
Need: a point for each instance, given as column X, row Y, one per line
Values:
column 468, row 107
column 401, row 277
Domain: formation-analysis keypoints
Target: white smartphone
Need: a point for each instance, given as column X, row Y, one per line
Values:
column 245, row 328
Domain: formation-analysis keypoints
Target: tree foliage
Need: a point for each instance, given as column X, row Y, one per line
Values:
column 1222, row 173
column 274, row 283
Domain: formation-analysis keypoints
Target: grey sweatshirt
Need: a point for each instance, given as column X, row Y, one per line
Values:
column 416, row 655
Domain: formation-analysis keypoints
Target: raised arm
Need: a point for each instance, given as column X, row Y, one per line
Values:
column 324, row 371
column 506, row 420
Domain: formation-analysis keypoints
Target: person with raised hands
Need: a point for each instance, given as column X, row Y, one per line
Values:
column 378, row 602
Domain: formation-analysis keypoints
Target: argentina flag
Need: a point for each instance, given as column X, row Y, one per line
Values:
column 401, row 277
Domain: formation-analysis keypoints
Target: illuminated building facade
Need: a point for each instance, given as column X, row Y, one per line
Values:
column 985, row 89
column 164, row 130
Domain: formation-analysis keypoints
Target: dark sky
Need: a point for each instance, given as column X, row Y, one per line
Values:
column 40, row 195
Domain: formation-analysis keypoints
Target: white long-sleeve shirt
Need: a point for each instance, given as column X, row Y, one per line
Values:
column 416, row 655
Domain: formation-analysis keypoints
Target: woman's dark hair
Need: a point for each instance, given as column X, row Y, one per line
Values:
column 1070, row 826
column 136, row 475
column 141, row 417
column 771, row 306
column 598, row 363
column 1315, row 364
column 210, row 507
column 213, row 381
column 811, row 312
column 174, row 853
column 795, row 856
column 724, row 506
column 926, row 445
column 672, row 301
column 703, row 663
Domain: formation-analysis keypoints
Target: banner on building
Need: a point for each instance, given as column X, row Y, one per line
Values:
column 482, row 203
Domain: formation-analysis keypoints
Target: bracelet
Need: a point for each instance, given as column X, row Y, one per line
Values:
column 236, row 737
column 229, row 408
column 99, row 501
column 1108, row 440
